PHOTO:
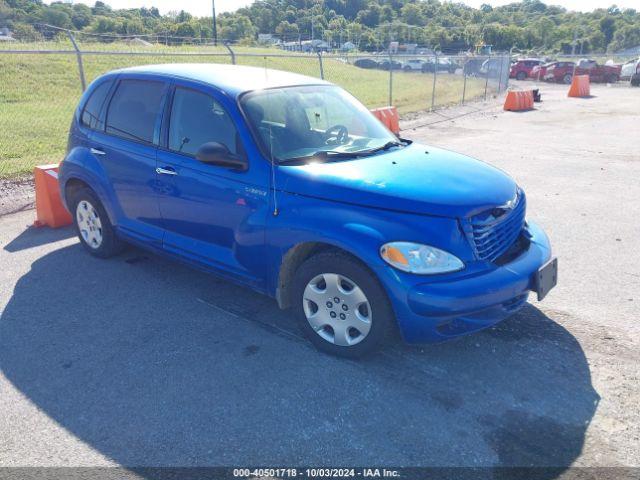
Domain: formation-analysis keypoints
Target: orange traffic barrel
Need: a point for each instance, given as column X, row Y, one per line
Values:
column 518, row 100
column 580, row 86
column 389, row 117
column 49, row 208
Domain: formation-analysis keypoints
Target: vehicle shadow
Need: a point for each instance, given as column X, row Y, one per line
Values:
column 154, row 364
column 36, row 236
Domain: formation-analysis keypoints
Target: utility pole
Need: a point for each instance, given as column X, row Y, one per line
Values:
column 215, row 26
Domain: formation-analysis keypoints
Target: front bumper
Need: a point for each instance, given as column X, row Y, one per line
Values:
column 448, row 308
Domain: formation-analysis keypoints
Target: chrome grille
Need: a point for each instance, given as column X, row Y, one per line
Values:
column 491, row 233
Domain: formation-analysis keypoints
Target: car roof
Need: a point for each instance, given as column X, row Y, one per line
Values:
column 233, row 79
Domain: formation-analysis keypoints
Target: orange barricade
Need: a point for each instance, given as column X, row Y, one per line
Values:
column 389, row 118
column 519, row 100
column 49, row 208
column 580, row 86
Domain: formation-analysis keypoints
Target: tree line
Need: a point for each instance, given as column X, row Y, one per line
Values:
column 529, row 25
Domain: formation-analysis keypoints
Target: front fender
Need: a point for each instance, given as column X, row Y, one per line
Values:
column 361, row 231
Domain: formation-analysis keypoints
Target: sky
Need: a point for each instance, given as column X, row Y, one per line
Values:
column 202, row 8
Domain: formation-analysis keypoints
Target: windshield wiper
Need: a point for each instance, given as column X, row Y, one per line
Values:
column 386, row 146
column 322, row 155
column 329, row 154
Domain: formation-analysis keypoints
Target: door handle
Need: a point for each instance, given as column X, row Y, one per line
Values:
column 166, row 171
column 97, row 151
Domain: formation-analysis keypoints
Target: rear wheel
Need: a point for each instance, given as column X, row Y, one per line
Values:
column 94, row 229
column 340, row 305
column 521, row 76
column 567, row 78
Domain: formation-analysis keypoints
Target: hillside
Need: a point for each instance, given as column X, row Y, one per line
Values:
column 530, row 25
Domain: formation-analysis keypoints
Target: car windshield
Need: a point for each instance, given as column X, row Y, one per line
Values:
column 315, row 121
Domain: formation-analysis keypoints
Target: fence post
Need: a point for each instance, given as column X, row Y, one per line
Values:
column 321, row 64
column 435, row 76
column 390, row 78
column 486, row 81
column 83, row 82
column 506, row 78
column 500, row 77
column 464, row 85
column 233, row 54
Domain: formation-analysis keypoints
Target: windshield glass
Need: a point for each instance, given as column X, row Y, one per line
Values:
column 303, row 122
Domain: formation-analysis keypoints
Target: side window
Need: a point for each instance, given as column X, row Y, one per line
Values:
column 134, row 109
column 196, row 118
column 91, row 113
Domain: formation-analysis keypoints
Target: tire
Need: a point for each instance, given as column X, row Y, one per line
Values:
column 93, row 227
column 407, row 69
column 635, row 82
column 362, row 312
column 567, row 79
column 612, row 79
column 521, row 76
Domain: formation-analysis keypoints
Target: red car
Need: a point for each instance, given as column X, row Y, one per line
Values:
column 522, row 68
column 562, row 72
column 539, row 71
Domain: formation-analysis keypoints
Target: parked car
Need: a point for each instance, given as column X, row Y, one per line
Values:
column 557, row 72
column 367, row 63
column 415, row 65
column 538, row 72
column 522, row 69
column 472, row 67
column 631, row 72
column 492, row 67
column 563, row 72
column 288, row 185
column 386, row 65
column 444, row 65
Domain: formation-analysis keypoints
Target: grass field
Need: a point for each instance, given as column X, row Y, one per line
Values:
column 39, row 92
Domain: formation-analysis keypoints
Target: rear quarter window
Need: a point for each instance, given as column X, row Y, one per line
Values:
column 134, row 108
column 90, row 116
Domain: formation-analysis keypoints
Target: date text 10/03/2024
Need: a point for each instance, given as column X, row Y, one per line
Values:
column 316, row 473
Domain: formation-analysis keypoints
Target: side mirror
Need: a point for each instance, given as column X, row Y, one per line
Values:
column 214, row 153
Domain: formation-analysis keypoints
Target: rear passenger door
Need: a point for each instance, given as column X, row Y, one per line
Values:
column 126, row 148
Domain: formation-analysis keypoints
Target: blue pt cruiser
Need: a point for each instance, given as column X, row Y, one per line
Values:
column 288, row 185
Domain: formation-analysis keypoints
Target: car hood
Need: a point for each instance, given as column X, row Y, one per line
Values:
column 415, row 179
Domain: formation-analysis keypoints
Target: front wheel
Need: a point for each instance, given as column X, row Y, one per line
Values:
column 340, row 305
column 567, row 79
column 521, row 76
column 94, row 229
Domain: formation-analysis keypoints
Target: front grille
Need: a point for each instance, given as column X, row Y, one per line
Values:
column 491, row 233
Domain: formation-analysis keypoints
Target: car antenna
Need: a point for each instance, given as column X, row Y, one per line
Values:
column 271, row 157
column 273, row 173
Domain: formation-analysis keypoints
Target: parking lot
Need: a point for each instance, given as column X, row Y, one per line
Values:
column 141, row 361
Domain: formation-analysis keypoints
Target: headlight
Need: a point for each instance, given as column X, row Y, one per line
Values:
column 418, row 258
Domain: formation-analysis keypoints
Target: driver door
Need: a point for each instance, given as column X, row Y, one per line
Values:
column 211, row 214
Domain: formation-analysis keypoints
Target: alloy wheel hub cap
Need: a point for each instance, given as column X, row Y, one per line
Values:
column 337, row 309
column 89, row 224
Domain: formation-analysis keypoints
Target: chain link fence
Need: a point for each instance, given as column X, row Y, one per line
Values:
column 41, row 82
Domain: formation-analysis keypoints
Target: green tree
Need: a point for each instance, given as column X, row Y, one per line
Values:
column 287, row 31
